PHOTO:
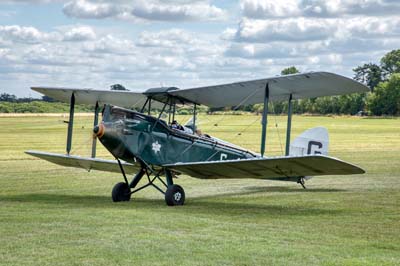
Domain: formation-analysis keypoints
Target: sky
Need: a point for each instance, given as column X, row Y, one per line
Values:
column 186, row 43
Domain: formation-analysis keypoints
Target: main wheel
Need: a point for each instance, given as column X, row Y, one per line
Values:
column 175, row 195
column 121, row 192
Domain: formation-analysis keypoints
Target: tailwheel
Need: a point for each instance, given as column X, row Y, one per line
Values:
column 121, row 192
column 175, row 195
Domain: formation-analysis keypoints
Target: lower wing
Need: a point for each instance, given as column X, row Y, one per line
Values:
column 275, row 167
column 85, row 163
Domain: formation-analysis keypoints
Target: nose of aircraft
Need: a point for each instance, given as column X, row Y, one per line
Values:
column 99, row 130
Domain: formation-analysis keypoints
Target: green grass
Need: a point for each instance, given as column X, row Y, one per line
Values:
column 50, row 215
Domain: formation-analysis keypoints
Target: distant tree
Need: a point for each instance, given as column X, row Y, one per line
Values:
column 386, row 98
column 351, row 104
column 258, row 108
column 369, row 74
column 290, row 70
column 118, row 87
column 391, row 62
column 47, row 99
column 5, row 97
column 25, row 100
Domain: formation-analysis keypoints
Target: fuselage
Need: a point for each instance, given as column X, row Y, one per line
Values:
column 131, row 135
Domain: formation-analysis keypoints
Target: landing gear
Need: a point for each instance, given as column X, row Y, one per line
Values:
column 121, row 192
column 302, row 182
column 175, row 195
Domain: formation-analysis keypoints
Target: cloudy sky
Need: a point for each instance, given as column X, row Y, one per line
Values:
column 186, row 43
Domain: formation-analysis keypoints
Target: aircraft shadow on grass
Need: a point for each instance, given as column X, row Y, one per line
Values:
column 210, row 204
column 256, row 189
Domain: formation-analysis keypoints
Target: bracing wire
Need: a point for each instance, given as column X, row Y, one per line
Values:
column 82, row 145
column 246, row 127
column 237, row 106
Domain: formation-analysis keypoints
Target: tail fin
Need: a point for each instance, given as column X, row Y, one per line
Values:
column 312, row 141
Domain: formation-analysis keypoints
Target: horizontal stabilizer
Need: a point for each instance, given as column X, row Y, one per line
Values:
column 85, row 163
column 275, row 167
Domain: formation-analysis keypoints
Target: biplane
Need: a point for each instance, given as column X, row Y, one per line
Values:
column 160, row 149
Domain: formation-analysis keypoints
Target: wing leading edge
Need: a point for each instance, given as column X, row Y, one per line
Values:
column 90, row 96
column 85, row 163
column 276, row 167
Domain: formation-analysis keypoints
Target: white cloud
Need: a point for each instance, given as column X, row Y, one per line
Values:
column 307, row 29
column 285, row 50
column 31, row 1
column 168, row 38
column 152, row 10
column 82, row 33
column 10, row 34
column 22, row 34
column 299, row 29
column 369, row 27
column 174, row 42
column 267, row 9
column 177, row 12
column 310, row 34
column 87, row 9
column 228, row 34
column 110, row 45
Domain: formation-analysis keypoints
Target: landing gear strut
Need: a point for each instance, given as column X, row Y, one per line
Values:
column 302, row 182
column 174, row 194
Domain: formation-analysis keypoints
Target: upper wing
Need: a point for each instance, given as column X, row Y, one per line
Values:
column 89, row 96
column 276, row 167
column 85, row 163
column 306, row 85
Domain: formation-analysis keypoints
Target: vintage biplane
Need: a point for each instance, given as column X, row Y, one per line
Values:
column 153, row 147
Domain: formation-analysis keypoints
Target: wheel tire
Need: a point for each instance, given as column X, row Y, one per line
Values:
column 175, row 195
column 121, row 192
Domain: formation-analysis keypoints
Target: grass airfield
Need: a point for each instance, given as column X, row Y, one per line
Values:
column 50, row 215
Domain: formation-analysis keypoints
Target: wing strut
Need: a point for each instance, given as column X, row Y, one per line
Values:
column 289, row 125
column 70, row 123
column 194, row 118
column 264, row 119
column 95, row 122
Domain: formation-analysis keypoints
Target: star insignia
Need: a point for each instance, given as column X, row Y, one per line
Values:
column 156, row 147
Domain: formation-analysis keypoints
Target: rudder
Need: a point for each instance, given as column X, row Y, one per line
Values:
column 312, row 141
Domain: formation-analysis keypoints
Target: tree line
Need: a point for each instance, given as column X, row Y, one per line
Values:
column 382, row 78
column 383, row 99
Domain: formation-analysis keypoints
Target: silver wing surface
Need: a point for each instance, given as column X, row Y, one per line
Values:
column 85, row 163
column 90, row 96
column 301, row 86
column 275, row 167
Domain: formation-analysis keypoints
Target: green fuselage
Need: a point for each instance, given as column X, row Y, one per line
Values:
column 131, row 136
